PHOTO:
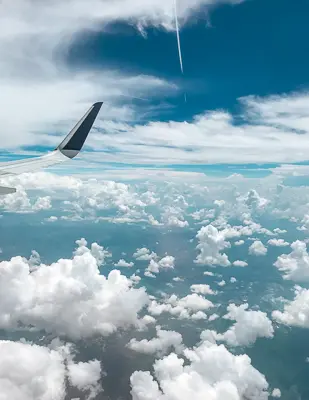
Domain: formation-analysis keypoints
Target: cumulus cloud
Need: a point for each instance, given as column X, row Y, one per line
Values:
column 239, row 263
column 276, row 393
column 166, row 262
column 69, row 297
column 278, row 242
column 201, row 289
column 183, row 308
column 160, row 345
column 211, row 243
column 295, row 266
column 144, row 254
column 123, row 263
column 32, row 372
column 249, row 326
column 257, row 249
column 212, row 372
column 296, row 312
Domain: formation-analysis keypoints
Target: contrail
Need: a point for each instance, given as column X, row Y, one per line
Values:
column 178, row 38
column 132, row 97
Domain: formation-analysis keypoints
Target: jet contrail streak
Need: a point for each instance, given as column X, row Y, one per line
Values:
column 132, row 97
column 178, row 38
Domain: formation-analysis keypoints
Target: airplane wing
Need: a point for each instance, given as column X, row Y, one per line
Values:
column 67, row 149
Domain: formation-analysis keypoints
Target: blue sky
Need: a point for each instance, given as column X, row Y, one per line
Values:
column 255, row 48
column 169, row 260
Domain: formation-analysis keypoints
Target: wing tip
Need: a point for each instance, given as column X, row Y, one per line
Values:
column 75, row 140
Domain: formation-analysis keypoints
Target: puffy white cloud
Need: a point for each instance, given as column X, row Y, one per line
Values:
column 276, row 393
column 249, row 326
column 233, row 279
column 149, row 274
column 69, row 297
column 166, row 262
column 278, row 230
column 239, row 242
column 172, row 220
column 239, row 263
column 201, row 289
column 97, row 251
column 296, row 312
column 85, row 376
column 278, row 242
column 295, row 266
column 123, row 263
column 208, row 273
column 222, row 283
column 42, row 203
column 160, row 345
column 211, row 243
column 181, row 308
column 257, row 249
column 213, row 317
column 52, row 218
column 144, row 254
column 212, row 372
column 32, row 372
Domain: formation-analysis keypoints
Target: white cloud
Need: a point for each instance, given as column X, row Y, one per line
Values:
column 182, row 308
column 32, row 372
column 239, row 263
column 201, row 289
column 257, row 249
column 278, row 230
column 97, row 251
column 160, row 345
column 69, row 297
column 211, row 243
column 295, row 266
column 144, row 254
column 166, row 262
column 123, row 263
column 239, row 242
column 296, row 312
column 212, row 372
column 42, row 203
column 276, row 393
column 207, row 138
column 278, row 242
column 85, row 376
column 249, row 326
column 213, row 317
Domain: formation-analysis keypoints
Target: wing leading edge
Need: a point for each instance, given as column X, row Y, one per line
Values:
column 67, row 149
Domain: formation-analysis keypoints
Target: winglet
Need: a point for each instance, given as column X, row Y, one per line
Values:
column 75, row 140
